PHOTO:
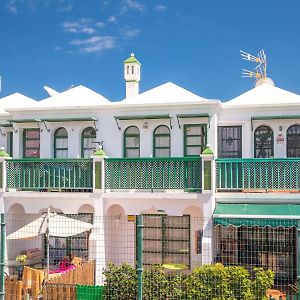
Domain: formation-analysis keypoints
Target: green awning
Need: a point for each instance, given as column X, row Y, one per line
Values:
column 186, row 116
column 190, row 116
column 25, row 121
column 274, row 215
column 282, row 117
column 70, row 119
column 142, row 117
column 6, row 125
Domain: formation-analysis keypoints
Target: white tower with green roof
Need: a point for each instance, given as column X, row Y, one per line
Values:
column 132, row 76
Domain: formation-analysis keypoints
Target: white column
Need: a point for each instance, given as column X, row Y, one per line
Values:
column 97, row 240
column 208, row 188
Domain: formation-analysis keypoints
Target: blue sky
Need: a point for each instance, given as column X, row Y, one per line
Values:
column 193, row 43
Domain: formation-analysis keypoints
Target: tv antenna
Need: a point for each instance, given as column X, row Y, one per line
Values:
column 260, row 71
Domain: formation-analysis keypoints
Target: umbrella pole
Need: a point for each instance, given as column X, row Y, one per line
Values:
column 48, row 251
column 48, row 241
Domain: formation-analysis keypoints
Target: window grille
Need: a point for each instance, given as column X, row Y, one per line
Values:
column 263, row 142
column 293, row 141
column 230, row 141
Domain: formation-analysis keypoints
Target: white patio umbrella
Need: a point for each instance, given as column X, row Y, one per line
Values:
column 51, row 224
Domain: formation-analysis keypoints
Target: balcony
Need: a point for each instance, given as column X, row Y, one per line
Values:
column 50, row 174
column 183, row 173
column 258, row 175
column 76, row 175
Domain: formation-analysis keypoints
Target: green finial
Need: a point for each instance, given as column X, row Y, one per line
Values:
column 99, row 152
column 207, row 151
column 132, row 59
column 3, row 153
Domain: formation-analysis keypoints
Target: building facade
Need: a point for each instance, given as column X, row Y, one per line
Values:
column 165, row 152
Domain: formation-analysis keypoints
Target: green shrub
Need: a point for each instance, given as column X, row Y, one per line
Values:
column 210, row 282
column 120, row 282
column 264, row 280
column 158, row 285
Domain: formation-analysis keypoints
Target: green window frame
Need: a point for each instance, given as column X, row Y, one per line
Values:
column 88, row 142
column 229, row 141
column 263, row 142
column 166, row 240
column 194, row 140
column 293, row 141
column 31, row 142
column 61, row 143
column 132, row 142
column 10, row 148
column 161, row 135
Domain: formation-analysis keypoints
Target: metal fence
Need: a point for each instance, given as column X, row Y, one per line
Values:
column 258, row 173
column 153, row 173
column 148, row 257
column 50, row 174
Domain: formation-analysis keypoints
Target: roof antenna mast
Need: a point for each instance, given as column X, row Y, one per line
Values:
column 260, row 71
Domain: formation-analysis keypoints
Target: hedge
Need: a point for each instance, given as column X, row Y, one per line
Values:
column 209, row 282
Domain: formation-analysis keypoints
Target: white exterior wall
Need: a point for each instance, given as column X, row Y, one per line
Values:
column 242, row 116
column 109, row 133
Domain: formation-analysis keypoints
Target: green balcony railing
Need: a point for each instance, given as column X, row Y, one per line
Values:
column 258, row 174
column 153, row 173
column 50, row 174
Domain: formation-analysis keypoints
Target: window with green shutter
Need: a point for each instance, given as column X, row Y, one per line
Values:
column 31, row 142
column 132, row 142
column 194, row 139
column 88, row 142
column 161, row 141
column 61, row 143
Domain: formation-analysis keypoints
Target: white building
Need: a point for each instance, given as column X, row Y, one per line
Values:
column 153, row 142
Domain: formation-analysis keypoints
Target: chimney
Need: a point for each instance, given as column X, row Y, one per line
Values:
column 132, row 76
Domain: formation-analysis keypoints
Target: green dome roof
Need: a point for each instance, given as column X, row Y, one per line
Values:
column 131, row 59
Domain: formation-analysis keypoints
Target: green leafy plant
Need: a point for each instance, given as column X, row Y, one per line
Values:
column 209, row 282
column 120, row 282
column 264, row 280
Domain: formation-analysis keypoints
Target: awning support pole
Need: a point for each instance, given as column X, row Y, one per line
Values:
column 117, row 123
column 298, row 258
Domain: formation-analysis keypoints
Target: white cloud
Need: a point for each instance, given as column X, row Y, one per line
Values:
column 88, row 30
column 95, row 44
column 80, row 26
column 160, row 7
column 112, row 19
column 129, row 32
column 66, row 8
column 12, row 7
column 131, row 4
column 100, row 24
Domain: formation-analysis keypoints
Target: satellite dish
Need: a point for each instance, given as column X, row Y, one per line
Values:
column 50, row 91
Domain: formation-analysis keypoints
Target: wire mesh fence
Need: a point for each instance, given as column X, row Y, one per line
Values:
column 55, row 256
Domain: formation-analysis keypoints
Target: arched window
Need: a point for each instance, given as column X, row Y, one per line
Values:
column 61, row 143
column 161, row 141
column 263, row 142
column 31, row 142
column 132, row 142
column 88, row 142
column 293, row 141
column 127, row 68
column 132, row 69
